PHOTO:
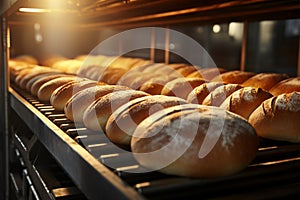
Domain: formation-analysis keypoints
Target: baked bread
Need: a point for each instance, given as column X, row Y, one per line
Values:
column 137, row 82
column 207, row 73
column 63, row 93
column 97, row 114
column 155, row 85
column 42, row 80
column 79, row 102
column 277, row 118
column 123, row 121
column 235, row 77
column 111, row 75
column 195, row 140
column 286, row 86
column 244, row 101
column 199, row 93
column 46, row 90
column 16, row 67
column 36, row 78
column 29, row 73
column 26, row 59
column 218, row 96
column 264, row 81
column 181, row 87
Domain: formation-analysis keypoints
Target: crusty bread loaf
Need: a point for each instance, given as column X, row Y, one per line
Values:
column 195, row 141
column 68, row 66
column 181, row 87
column 207, row 73
column 129, row 77
column 79, row 102
column 38, row 77
column 111, row 75
column 244, row 101
column 42, row 80
column 46, row 90
column 264, row 81
column 138, row 81
column 155, row 85
column 27, row 59
column 286, row 86
column 97, row 114
column 235, row 77
column 186, row 70
column 28, row 73
column 23, row 82
column 199, row 93
column 277, row 118
column 123, row 121
column 218, row 96
column 63, row 93
column 16, row 67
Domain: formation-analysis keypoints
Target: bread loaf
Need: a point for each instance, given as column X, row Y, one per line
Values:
column 42, row 80
column 97, row 114
column 286, row 86
column 218, row 96
column 123, row 121
column 199, row 93
column 27, row 59
column 63, row 93
column 207, row 73
column 155, row 85
column 277, row 118
column 264, row 81
column 28, row 73
column 234, row 77
column 38, row 77
column 195, row 141
column 16, row 67
column 140, row 80
column 181, row 87
column 244, row 101
column 111, row 75
column 46, row 90
column 79, row 102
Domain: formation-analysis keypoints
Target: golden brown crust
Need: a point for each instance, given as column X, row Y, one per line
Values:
column 199, row 93
column 38, row 77
column 123, row 121
column 155, row 85
column 234, row 77
column 218, row 95
column 46, row 90
column 277, row 118
column 25, row 75
column 111, row 75
column 38, row 83
column 264, row 81
column 244, row 101
column 286, row 86
column 79, row 102
column 63, row 93
column 174, row 141
column 97, row 114
column 181, row 87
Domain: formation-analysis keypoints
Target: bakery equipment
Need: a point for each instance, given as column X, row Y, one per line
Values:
column 39, row 132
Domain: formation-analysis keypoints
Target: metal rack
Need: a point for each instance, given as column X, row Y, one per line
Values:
column 276, row 167
column 83, row 168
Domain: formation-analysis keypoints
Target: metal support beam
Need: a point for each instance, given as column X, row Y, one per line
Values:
column 4, row 127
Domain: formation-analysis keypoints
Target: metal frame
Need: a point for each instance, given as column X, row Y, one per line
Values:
column 4, row 106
